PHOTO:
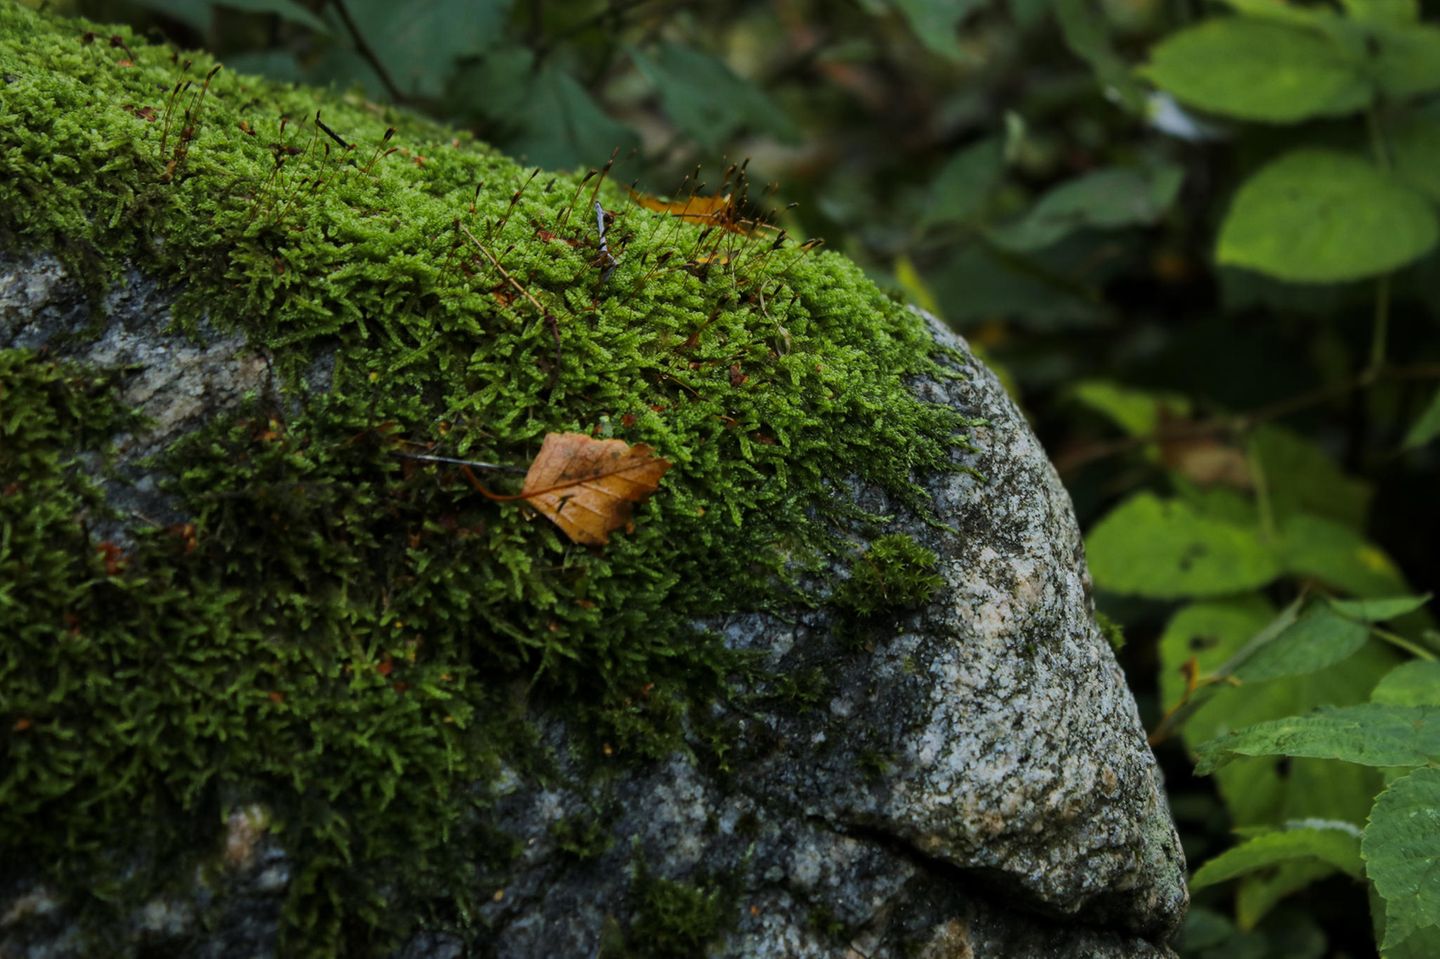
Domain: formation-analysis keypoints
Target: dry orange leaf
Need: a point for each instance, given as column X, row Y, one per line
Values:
column 705, row 210
column 587, row 487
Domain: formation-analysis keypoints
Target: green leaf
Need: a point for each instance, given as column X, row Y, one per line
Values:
column 1402, row 856
column 1299, row 477
column 977, row 283
column 564, row 127
column 1257, row 894
column 1390, row 12
column 546, row 117
column 1337, row 556
column 1164, row 549
column 1416, row 683
column 1318, row 216
column 1086, row 30
column 963, row 184
column 1319, row 638
column 1211, row 631
column 1263, row 790
column 284, row 9
column 193, row 13
column 1284, row 11
column 704, row 98
column 1379, row 610
column 936, row 24
column 1370, row 734
column 1137, row 412
column 1427, row 427
column 418, row 42
column 1255, row 69
column 1103, row 199
column 1337, row 847
column 1414, row 142
column 1406, row 61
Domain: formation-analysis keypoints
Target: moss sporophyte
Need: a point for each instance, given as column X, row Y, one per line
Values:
column 352, row 640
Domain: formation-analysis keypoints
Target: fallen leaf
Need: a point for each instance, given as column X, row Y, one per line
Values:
column 705, row 210
column 586, row 486
column 1204, row 459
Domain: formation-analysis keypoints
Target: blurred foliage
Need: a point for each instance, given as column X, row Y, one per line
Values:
column 1198, row 241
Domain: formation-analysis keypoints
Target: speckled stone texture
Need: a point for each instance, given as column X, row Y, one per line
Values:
column 975, row 784
column 972, row 782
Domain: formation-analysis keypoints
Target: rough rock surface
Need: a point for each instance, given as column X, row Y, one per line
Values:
column 972, row 782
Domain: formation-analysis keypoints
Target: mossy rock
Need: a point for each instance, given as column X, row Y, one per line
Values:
column 273, row 683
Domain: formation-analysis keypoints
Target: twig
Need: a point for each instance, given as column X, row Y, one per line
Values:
column 474, row 464
column 550, row 321
column 368, row 52
column 503, row 272
column 1241, row 422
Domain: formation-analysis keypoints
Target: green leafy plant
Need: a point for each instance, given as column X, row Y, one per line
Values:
column 1274, row 703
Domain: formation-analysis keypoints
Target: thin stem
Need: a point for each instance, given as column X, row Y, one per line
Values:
column 475, row 464
column 1381, row 331
column 1069, row 461
column 1395, row 639
column 368, row 53
column 1378, row 145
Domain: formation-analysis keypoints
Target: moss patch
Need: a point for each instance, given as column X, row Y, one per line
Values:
column 894, row 572
column 349, row 638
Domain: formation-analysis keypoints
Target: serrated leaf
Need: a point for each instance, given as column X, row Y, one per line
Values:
column 1272, row 72
column 1427, row 427
column 1402, row 856
column 1319, row 638
column 1164, row 549
column 1416, row 683
column 1319, row 216
column 1339, row 848
column 1257, row 790
column 1103, row 199
column 1380, row 609
column 705, row 98
column 1370, row 734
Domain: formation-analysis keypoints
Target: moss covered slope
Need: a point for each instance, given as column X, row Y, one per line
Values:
column 345, row 636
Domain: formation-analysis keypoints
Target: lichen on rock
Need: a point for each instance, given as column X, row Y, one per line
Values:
column 272, row 685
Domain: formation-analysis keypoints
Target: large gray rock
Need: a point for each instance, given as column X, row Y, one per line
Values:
column 971, row 779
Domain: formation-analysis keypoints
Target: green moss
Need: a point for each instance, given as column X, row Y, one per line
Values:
column 671, row 918
column 894, row 572
column 583, row 836
column 1112, row 631
column 351, row 639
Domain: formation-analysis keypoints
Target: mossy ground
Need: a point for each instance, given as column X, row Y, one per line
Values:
column 347, row 637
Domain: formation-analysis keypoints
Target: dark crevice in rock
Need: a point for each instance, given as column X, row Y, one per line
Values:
column 987, row 885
